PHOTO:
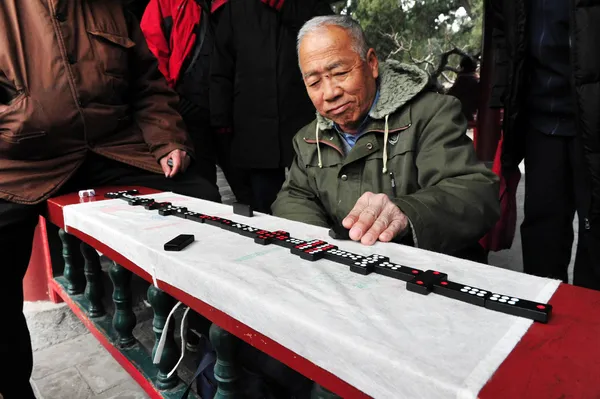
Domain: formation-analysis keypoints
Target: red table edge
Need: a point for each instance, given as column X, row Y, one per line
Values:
column 233, row 326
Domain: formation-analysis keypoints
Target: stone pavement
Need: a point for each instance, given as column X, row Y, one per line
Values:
column 71, row 364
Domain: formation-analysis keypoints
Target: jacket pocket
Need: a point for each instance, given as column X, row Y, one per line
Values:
column 23, row 128
column 112, row 52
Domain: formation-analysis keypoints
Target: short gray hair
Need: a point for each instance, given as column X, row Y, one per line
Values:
column 359, row 40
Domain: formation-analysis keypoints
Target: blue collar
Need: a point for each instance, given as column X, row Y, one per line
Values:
column 351, row 138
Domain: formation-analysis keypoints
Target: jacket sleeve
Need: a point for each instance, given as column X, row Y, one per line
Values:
column 152, row 101
column 297, row 199
column 500, row 79
column 458, row 199
column 222, row 72
column 152, row 28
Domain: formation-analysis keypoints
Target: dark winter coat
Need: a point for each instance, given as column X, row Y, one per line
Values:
column 510, row 46
column 256, row 85
column 450, row 198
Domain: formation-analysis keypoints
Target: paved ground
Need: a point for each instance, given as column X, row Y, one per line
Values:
column 71, row 364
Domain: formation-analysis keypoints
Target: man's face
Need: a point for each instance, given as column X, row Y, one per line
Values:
column 340, row 84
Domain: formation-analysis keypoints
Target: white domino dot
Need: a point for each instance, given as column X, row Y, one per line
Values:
column 472, row 292
column 481, row 294
column 512, row 303
column 467, row 288
column 514, row 299
column 502, row 300
column 505, row 297
column 494, row 298
column 464, row 290
column 395, row 268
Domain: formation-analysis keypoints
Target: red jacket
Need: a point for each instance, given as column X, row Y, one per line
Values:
column 170, row 30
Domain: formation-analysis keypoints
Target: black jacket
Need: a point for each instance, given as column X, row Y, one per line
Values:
column 256, row 86
column 510, row 46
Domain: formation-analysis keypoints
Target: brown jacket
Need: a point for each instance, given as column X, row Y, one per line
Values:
column 77, row 76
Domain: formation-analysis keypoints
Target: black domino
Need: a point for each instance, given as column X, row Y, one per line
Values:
column 397, row 271
column 461, row 292
column 242, row 209
column 194, row 216
column 156, row 205
column 366, row 265
column 316, row 252
column 180, row 242
column 343, row 257
column 519, row 307
column 423, row 282
column 300, row 248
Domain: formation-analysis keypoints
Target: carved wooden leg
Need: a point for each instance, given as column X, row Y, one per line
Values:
column 226, row 372
column 318, row 392
column 162, row 304
column 73, row 271
column 124, row 319
column 94, row 290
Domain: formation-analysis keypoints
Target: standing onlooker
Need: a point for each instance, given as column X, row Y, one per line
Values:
column 466, row 87
column 180, row 34
column 257, row 92
column 547, row 67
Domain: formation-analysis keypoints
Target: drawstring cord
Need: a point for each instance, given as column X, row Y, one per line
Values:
column 385, row 140
column 318, row 147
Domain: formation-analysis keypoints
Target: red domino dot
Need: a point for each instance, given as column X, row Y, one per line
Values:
column 444, row 283
column 541, row 307
column 415, row 272
column 419, row 282
column 436, row 273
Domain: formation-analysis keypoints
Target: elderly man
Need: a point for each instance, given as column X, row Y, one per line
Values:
column 82, row 104
column 385, row 157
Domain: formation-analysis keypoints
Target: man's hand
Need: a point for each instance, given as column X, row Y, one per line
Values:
column 180, row 161
column 374, row 217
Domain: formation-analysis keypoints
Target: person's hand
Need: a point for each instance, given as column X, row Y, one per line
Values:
column 174, row 162
column 374, row 217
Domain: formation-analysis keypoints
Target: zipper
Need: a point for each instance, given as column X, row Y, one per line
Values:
column 587, row 224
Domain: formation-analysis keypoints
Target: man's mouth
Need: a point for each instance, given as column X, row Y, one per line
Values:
column 339, row 110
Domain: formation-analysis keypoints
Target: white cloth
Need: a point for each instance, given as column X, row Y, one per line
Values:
column 367, row 330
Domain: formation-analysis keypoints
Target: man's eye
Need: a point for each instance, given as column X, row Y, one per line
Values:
column 340, row 73
column 313, row 84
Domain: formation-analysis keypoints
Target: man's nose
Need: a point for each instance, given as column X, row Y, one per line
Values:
column 331, row 90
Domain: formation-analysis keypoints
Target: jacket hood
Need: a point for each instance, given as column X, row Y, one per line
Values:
column 398, row 84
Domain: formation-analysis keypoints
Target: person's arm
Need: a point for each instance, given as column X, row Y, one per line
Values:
column 458, row 199
column 297, row 199
column 500, row 82
column 222, row 72
column 152, row 101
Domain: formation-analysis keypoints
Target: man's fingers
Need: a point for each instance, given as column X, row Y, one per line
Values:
column 176, row 157
column 354, row 214
column 366, row 220
column 396, row 226
column 165, row 166
column 378, row 226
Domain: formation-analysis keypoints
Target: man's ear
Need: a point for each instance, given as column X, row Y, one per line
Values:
column 373, row 62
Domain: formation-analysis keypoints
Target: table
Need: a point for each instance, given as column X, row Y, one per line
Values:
column 559, row 359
